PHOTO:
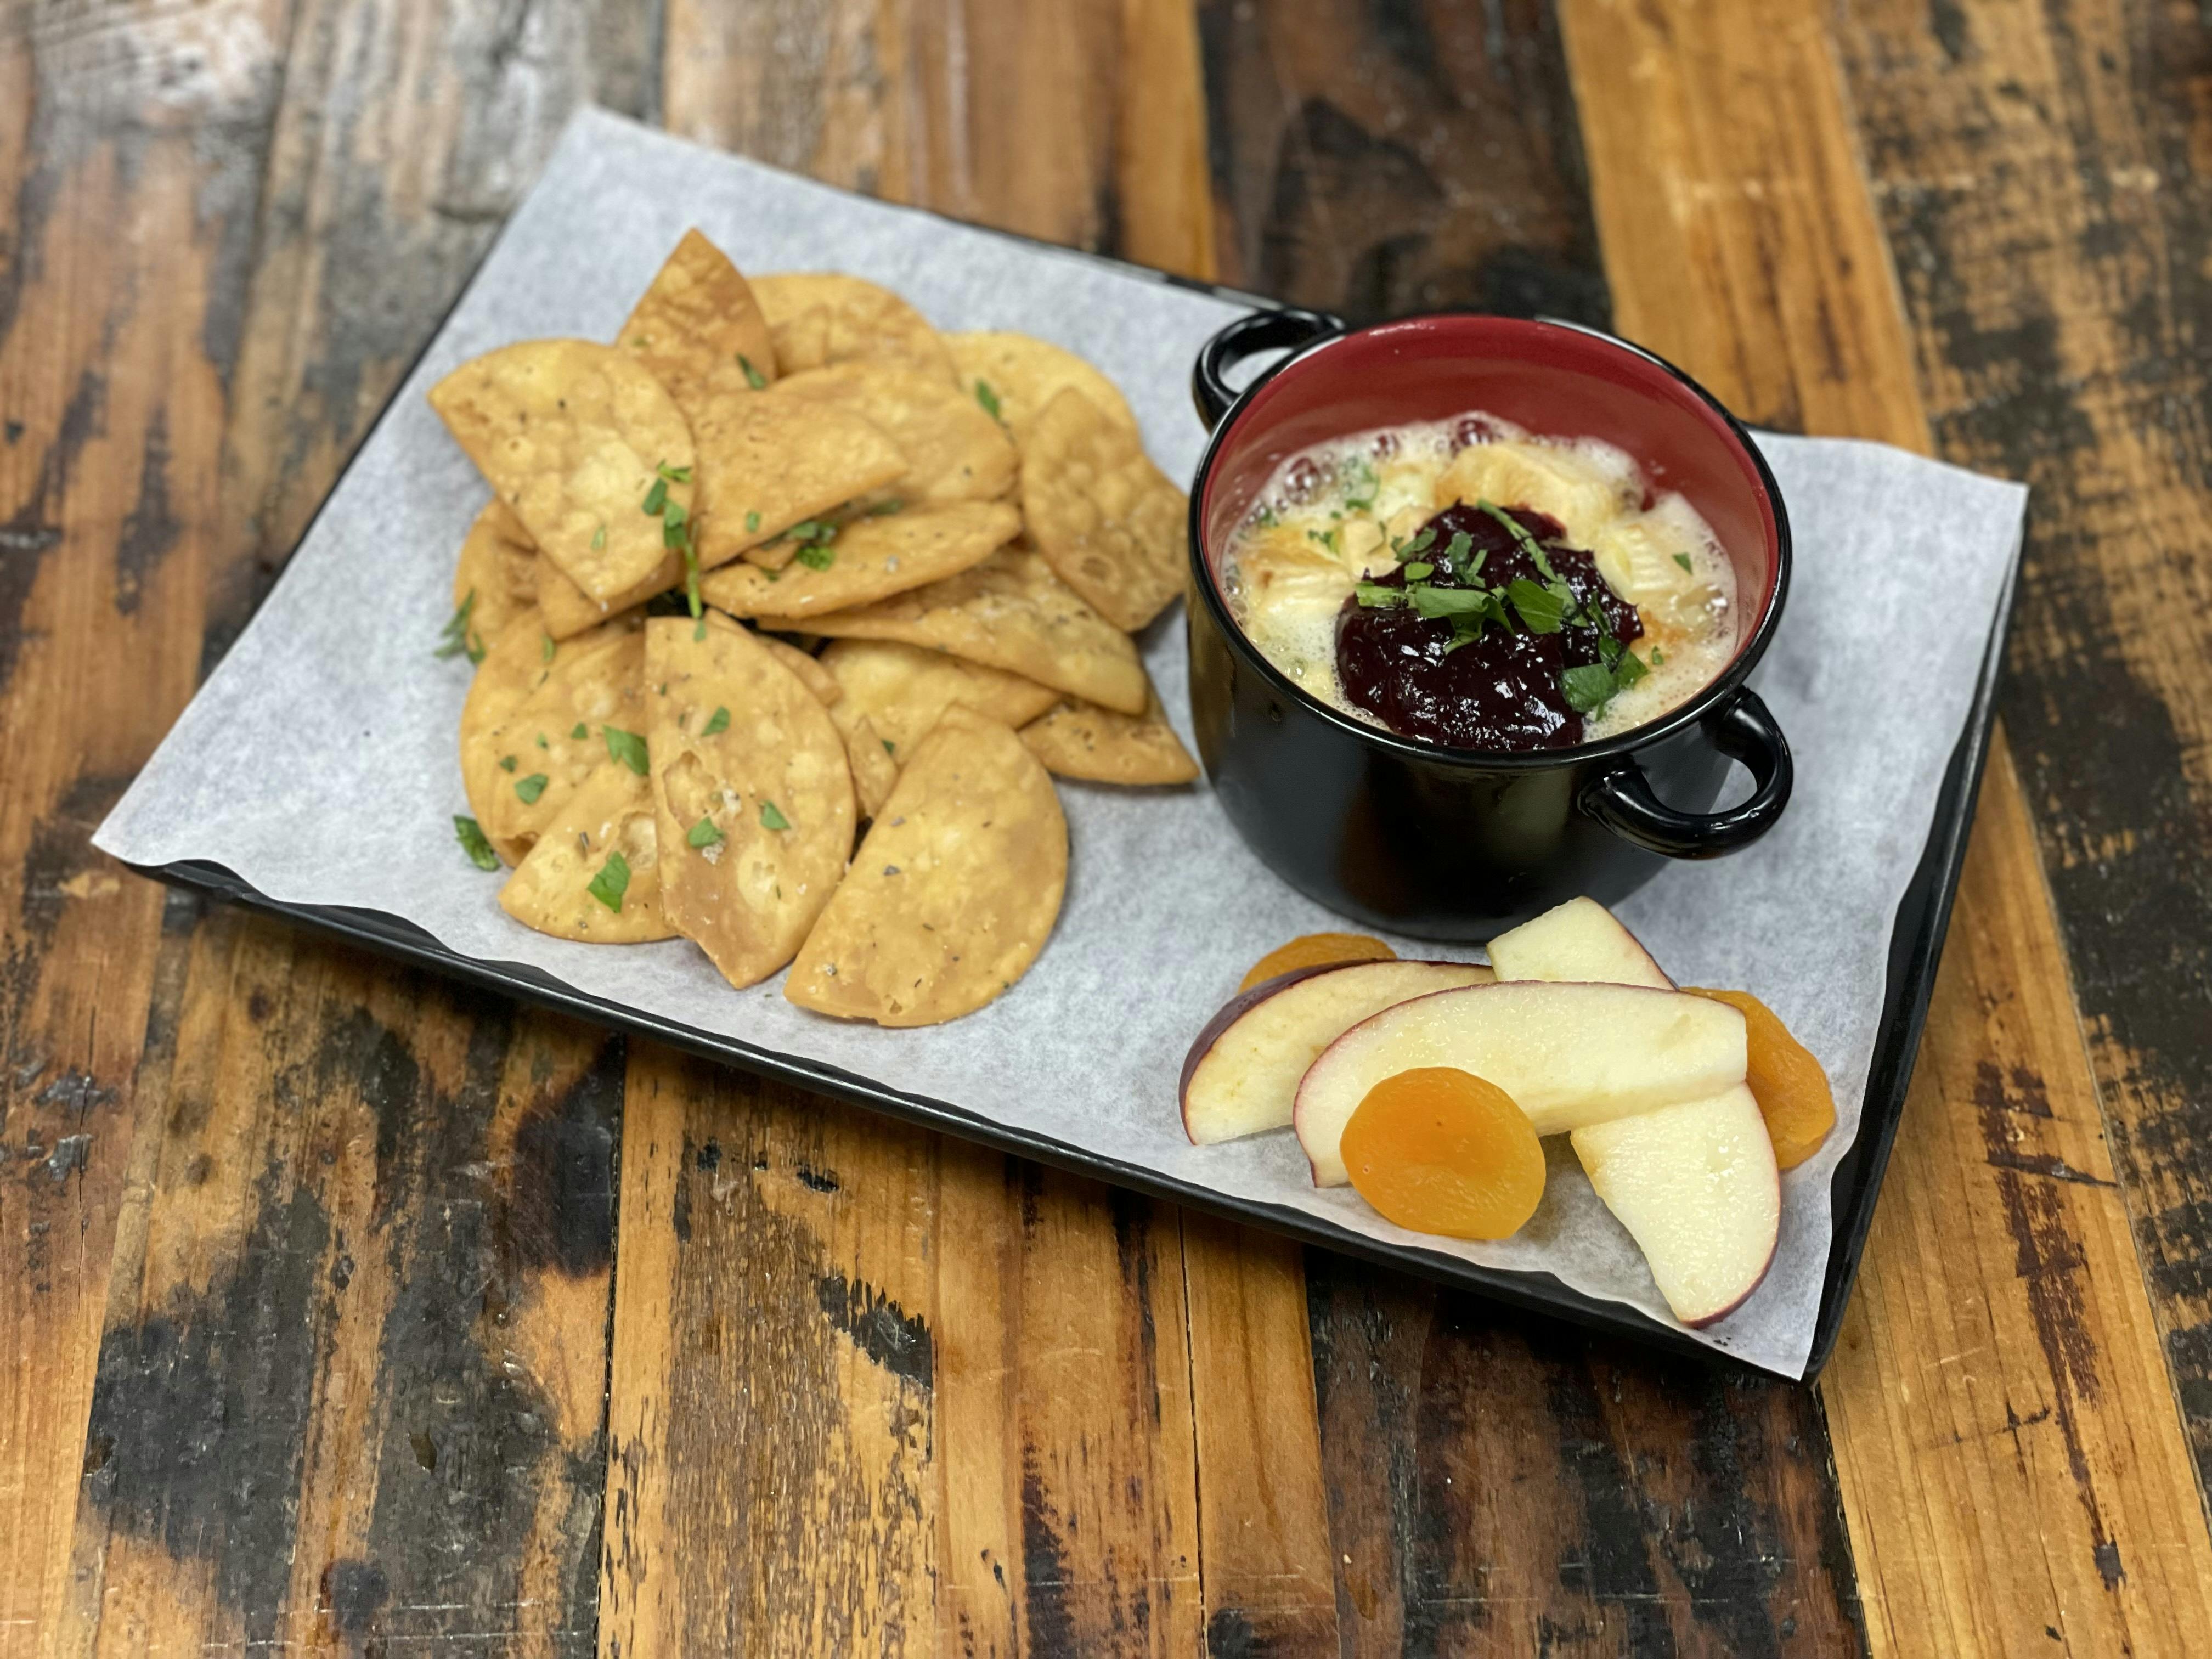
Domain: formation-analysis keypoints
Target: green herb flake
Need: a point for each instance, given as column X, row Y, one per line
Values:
column 532, row 788
column 674, row 474
column 1420, row 541
column 1588, row 689
column 1629, row 669
column 1540, row 608
column 507, row 762
column 889, row 749
column 1434, row 602
column 1528, row 543
column 471, row 835
column 611, row 883
column 720, row 722
column 702, row 834
column 989, row 398
column 752, row 523
column 599, row 538
column 1682, row 559
column 754, row 377
column 1419, row 571
column 627, row 747
column 772, row 819
column 656, row 498
column 699, row 628
column 1658, row 658
column 1326, row 538
column 1375, row 597
column 580, row 731
column 546, row 647
column 453, row 638
column 884, row 509
column 815, row 557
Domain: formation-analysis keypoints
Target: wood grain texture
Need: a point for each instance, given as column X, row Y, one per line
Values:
column 2012, row 1467
column 2041, row 176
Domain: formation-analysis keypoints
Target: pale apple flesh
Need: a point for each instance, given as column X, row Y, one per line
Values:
column 1571, row 1055
column 1695, row 1184
column 1241, row 1074
column 1696, row 1187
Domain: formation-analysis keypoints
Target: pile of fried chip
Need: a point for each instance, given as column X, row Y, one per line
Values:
column 658, row 739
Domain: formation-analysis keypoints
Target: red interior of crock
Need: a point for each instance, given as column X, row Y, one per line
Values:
column 1555, row 381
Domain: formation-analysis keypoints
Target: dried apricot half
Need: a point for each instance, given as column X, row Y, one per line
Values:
column 1787, row 1082
column 1317, row 950
column 1443, row 1150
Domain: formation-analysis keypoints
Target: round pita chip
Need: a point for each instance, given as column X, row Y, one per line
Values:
column 901, row 691
column 954, row 891
column 867, row 559
column 1109, row 521
column 698, row 328
column 1009, row 612
column 1082, row 740
column 497, row 578
column 1017, row 375
column 533, row 731
column 825, row 317
column 752, row 797
column 575, row 437
column 954, row 451
column 594, row 875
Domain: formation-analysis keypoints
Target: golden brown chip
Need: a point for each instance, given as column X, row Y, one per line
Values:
column 812, row 674
column 1019, row 375
column 698, row 328
column 567, row 611
column 901, row 690
column 752, row 795
column 1008, row 612
column 953, row 893
column 874, row 772
column 574, row 437
column 496, row 580
column 825, row 317
column 869, row 559
column 1082, row 740
column 572, row 885
column 1109, row 520
column 766, row 464
column 954, row 451
column 533, row 731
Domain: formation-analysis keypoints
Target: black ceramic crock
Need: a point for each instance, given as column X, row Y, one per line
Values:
column 1460, row 844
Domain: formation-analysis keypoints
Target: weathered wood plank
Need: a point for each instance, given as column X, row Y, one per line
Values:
column 2039, row 1462
column 2042, row 181
column 350, row 1389
column 129, row 149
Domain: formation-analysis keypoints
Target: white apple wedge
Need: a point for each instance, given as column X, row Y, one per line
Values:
column 1695, row 1184
column 1243, row 1073
column 1571, row 1055
column 1580, row 941
column 1696, row 1187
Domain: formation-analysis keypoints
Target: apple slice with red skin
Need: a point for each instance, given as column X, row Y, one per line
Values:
column 1241, row 1074
column 1571, row 1055
column 1695, row 1184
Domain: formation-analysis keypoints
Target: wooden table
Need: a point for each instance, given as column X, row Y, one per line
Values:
column 343, row 1310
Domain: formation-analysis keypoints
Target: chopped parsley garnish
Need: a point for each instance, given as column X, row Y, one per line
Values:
column 546, row 647
column 1528, row 543
column 611, row 883
column 656, row 498
column 507, row 762
column 1326, row 538
column 1375, row 597
column 455, row 638
column 752, row 523
column 1419, row 571
column 1359, row 487
column 542, row 744
column 674, row 474
column 815, row 556
column 471, row 835
column 1588, row 688
column 627, row 747
column 989, row 398
column 532, row 788
column 1542, row 610
column 1419, row 543
column 887, row 748
column 598, row 538
column 772, row 819
column 754, row 377
column 702, row 834
column 1265, row 518
column 720, row 722
column 699, row 628
column 1682, row 559
column 1658, row 658
column 580, row 731
column 672, row 525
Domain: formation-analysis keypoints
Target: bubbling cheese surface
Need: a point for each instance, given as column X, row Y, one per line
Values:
column 1330, row 516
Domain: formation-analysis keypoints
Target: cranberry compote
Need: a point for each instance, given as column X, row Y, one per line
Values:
column 1449, row 654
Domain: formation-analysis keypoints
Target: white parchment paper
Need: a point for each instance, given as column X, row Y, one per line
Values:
column 318, row 761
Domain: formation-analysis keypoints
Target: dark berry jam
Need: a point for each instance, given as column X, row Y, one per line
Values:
column 1503, row 688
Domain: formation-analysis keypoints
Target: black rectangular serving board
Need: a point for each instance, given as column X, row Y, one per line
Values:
column 1915, row 943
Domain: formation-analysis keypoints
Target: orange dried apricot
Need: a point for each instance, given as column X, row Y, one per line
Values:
column 1442, row 1151
column 1316, row 950
column 1787, row 1082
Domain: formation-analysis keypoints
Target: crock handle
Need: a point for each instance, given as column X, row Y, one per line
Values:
column 1621, row 798
column 1263, row 330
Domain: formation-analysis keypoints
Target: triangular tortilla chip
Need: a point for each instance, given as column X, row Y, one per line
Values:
column 574, row 437
column 1109, row 521
column 751, row 794
column 570, row 886
column 1019, row 375
column 496, row 577
column 870, row 558
column 1082, row 740
column 766, row 464
column 1008, row 612
column 826, row 317
column 954, row 892
column 698, row 328
column 954, row 451
column 533, row 731
column 902, row 689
